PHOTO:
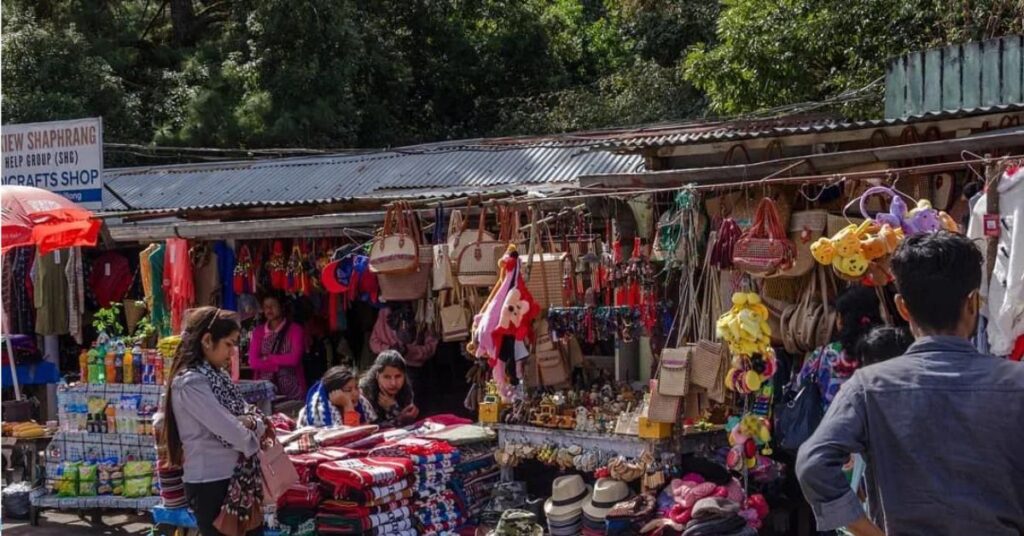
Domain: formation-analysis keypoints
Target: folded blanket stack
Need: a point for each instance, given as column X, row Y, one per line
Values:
column 367, row 496
column 474, row 477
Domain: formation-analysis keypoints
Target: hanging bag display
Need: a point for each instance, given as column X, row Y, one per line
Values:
column 804, row 228
column 551, row 367
column 764, row 248
column 674, row 370
column 544, row 270
column 415, row 284
column 461, row 237
column 396, row 249
column 478, row 262
column 660, row 407
column 454, row 317
column 442, row 276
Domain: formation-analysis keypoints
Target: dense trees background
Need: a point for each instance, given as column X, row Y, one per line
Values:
column 372, row 73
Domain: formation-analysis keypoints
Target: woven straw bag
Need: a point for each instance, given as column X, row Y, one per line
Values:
column 804, row 228
column 551, row 367
column 660, row 407
column 460, row 237
column 478, row 261
column 454, row 316
column 674, row 370
column 764, row 248
column 396, row 249
column 408, row 286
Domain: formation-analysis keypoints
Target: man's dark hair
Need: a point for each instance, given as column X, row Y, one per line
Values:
column 935, row 272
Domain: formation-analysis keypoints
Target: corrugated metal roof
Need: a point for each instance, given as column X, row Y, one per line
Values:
column 321, row 179
column 736, row 130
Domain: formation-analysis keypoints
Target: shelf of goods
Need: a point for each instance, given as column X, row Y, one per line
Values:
column 629, row 446
column 72, row 444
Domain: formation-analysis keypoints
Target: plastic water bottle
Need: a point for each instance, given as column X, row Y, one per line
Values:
column 136, row 358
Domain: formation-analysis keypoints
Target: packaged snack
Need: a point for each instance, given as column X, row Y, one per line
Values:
column 88, row 477
column 67, row 479
column 138, row 479
column 111, row 477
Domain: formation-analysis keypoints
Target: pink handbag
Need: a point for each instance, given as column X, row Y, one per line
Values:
column 278, row 472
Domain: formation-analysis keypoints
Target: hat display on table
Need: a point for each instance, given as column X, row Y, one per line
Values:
column 517, row 523
column 572, row 527
column 568, row 493
column 607, row 492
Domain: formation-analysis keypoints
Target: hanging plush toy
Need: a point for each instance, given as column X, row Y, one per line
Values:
column 745, row 326
column 749, row 373
column 746, row 435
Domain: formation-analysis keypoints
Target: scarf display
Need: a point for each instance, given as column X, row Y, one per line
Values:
column 245, row 490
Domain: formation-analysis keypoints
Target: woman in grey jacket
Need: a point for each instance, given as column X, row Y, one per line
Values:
column 208, row 429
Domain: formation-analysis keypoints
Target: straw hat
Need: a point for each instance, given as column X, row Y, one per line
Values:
column 607, row 492
column 568, row 493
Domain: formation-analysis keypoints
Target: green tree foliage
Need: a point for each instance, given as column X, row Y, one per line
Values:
column 775, row 52
column 339, row 73
column 246, row 74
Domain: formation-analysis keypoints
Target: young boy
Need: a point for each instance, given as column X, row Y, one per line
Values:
column 883, row 343
column 939, row 426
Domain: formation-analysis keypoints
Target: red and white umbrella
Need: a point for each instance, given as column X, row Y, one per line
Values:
column 37, row 217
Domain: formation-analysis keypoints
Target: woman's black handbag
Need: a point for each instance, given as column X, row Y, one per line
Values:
column 798, row 417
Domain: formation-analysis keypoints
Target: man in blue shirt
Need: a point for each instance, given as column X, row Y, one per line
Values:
column 941, row 427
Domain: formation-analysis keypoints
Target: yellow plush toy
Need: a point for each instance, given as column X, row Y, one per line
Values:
column 744, row 327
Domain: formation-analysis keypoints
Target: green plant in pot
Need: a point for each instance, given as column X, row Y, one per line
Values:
column 107, row 322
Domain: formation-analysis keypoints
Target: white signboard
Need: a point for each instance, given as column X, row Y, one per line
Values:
column 65, row 157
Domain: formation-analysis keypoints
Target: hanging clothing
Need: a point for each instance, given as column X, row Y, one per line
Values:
column 19, row 308
column 178, row 286
column 146, row 274
column 75, row 274
column 159, row 316
column 110, row 278
column 415, row 350
column 226, row 273
column 1004, row 296
column 205, row 275
column 50, row 282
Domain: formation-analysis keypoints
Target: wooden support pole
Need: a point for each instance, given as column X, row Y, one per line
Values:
column 993, row 172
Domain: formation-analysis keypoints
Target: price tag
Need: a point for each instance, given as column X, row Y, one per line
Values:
column 56, row 257
column 106, row 269
column 991, row 225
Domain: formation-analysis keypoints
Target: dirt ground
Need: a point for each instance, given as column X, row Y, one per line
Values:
column 54, row 523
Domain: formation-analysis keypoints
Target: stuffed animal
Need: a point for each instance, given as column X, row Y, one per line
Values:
column 744, row 327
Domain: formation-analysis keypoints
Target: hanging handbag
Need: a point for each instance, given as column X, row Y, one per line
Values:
column 764, row 248
column 396, row 249
column 278, row 472
column 454, row 317
column 674, row 370
column 799, row 415
column 544, row 270
column 441, row 274
column 804, row 228
column 551, row 367
column 478, row 262
column 660, row 407
column 412, row 285
column 460, row 237
column 708, row 363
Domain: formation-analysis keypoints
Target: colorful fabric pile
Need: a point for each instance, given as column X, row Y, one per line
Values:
column 172, row 488
column 367, row 496
column 436, row 506
column 474, row 477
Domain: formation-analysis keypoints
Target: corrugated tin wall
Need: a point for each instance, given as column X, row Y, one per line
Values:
column 966, row 76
